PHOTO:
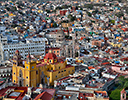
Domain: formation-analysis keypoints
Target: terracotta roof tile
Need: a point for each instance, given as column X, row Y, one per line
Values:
column 44, row 96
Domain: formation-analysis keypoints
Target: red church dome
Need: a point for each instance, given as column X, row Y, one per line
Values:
column 50, row 56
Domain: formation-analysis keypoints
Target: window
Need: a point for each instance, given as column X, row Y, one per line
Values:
column 54, row 51
column 27, row 85
column 14, row 80
column 69, row 97
column 36, row 72
column 45, row 60
column 27, row 67
column 27, row 77
column 56, row 76
column 68, row 71
column 62, row 71
column 14, row 73
column 61, row 74
column 72, row 70
column 59, row 67
column 64, row 96
column 32, row 67
column 57, row 51
column 55, row 60
column 50, row 61
column 123, row 96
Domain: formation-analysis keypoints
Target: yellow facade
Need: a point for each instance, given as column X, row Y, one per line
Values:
column 46, row 71
column 116, row 45
column 67, row 24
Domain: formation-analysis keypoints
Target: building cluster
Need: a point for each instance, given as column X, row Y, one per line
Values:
column 63, row 50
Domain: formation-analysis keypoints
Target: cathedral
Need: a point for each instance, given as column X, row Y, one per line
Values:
column 30, row 72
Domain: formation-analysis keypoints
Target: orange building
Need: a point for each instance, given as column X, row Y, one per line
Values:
column 97, row 42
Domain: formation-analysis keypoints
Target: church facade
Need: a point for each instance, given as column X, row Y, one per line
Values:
column 31, row 72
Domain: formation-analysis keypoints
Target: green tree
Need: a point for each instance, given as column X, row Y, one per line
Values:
column 122, row 81
column 55, row 25
column 126, row 84
column 115, row 95
column 89, row 14
column 113, row 21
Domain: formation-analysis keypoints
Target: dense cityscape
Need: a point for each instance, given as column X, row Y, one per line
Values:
column 64, row 50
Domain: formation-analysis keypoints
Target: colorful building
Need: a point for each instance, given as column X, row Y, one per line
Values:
column 55, row 50
column 45, row 71
column 26, row 93
column 116, row 45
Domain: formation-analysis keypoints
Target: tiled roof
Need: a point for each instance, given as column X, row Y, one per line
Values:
column 50, row 56
column 86, row 94
column 44, row 96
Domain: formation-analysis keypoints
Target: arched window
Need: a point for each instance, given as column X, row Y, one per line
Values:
column 45, row 60
column 20, row 73
column 50, row 61
column 123, row 96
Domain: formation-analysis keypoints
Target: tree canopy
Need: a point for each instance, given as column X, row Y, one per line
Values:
column 123, row 83
column 115, row 95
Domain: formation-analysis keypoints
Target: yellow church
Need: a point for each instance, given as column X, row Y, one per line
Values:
column 31, row 73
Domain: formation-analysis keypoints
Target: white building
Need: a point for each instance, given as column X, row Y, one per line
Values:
column 2, row 29
column 36, row 46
